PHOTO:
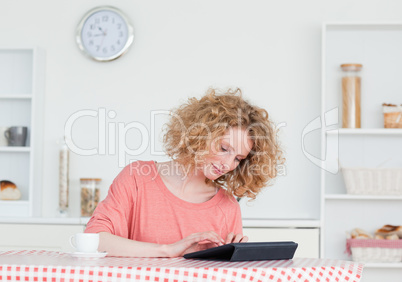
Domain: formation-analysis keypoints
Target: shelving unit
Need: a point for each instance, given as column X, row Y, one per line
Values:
column 21, row 104
column 377, row 47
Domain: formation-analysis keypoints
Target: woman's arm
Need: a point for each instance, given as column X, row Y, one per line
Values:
column 118, row 246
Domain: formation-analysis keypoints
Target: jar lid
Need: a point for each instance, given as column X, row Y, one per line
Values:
column 351, row 67
column 90, row 179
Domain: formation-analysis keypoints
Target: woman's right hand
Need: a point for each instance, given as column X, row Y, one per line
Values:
column 194, row 242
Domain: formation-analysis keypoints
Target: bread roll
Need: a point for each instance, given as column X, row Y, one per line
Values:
column 388, row 230
column 399, row 231
column 9, row 191
column 358, row 233
column 392, row 237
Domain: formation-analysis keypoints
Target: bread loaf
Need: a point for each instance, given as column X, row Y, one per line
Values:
column 9, row 191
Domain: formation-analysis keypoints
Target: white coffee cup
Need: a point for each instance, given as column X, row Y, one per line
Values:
column 85, row 242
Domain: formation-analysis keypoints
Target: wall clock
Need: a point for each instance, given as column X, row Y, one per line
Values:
column 104, row 34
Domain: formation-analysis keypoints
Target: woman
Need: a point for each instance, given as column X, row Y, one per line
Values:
column 221, row 147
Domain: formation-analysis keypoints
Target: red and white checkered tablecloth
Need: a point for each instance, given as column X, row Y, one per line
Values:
column 56, row 266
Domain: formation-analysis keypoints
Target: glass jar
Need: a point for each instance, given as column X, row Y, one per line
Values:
column 63, row 178
column 89, row 195
column 351, row 86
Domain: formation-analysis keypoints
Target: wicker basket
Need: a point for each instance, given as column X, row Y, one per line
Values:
column 371, row 250
column 392, row 116
column 373, row 181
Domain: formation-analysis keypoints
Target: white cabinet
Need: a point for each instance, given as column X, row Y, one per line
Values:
column 37, row 236
column 307, row 238
column 21, row 104
column 378, row 47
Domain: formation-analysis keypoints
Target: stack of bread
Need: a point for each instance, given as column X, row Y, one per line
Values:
column 387, row 232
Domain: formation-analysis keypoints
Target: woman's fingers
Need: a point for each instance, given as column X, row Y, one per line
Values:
column 235, row 238
column 229, row 238
column 206, row 236
column 203, row 240
column 194, row 242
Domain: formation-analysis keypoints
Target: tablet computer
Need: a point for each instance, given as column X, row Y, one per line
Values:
column 248, row 251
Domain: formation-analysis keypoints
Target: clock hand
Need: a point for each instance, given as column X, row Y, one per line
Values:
column 104, row 33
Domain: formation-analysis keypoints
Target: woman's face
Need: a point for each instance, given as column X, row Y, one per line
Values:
column 226, row 152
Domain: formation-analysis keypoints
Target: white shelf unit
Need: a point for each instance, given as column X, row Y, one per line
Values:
column 22, row 76
column 377, row 47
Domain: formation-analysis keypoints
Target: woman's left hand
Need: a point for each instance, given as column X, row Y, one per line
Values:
column 235, row 238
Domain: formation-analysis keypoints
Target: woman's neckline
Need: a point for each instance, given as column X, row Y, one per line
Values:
column 183, row 203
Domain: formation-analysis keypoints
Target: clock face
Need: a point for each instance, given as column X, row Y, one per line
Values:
column 104, row 34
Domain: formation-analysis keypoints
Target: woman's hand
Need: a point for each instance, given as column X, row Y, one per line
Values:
column 235, row 238
column 194, row 242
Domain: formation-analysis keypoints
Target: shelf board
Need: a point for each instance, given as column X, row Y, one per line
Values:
column 15, row 96
column 383, row 265
column 366, row 131
column 281, row 223
column 362, row 197
column 44, row 220
column 15, row 149
column 11, row 202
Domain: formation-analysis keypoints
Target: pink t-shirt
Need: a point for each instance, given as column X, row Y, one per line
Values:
column 140, row 207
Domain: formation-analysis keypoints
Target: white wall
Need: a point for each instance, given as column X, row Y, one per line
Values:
column 271, row 49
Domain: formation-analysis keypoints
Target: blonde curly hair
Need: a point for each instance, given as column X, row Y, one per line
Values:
column 198, row 121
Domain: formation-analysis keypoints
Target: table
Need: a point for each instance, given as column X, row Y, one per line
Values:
column 57, row 266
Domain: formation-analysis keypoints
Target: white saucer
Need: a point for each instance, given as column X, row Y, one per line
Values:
column 88, row 255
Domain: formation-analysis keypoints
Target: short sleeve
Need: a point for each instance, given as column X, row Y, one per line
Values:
column 115, row 213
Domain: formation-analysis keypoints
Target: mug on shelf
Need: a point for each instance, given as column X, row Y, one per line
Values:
column 16, row 135
column 3, row 139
